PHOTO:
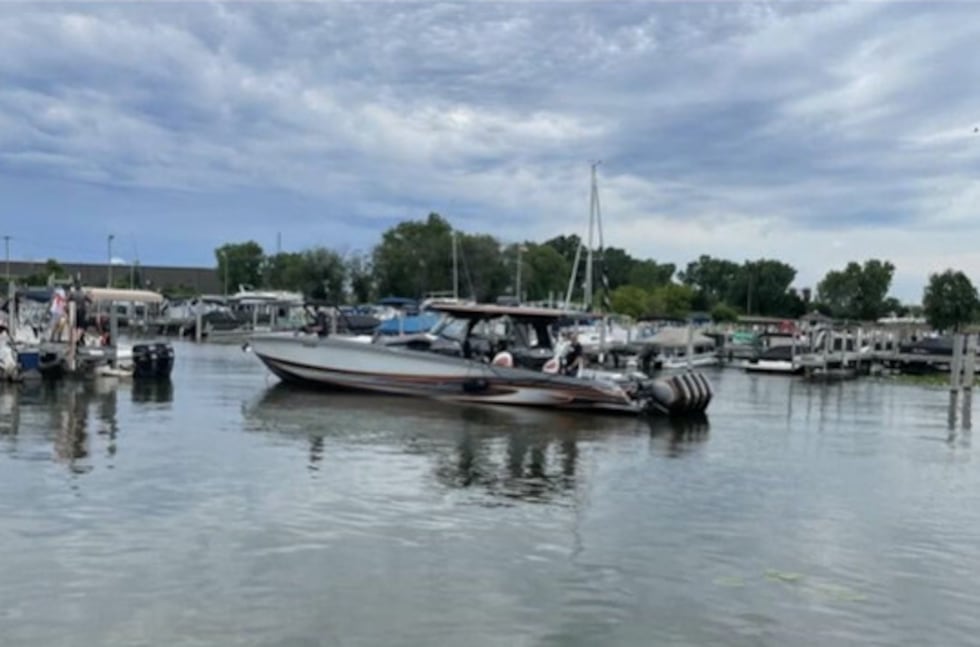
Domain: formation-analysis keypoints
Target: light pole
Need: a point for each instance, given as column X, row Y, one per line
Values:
column 6, row 251
column 109, row 265
column 517, row 291
column 224, row 261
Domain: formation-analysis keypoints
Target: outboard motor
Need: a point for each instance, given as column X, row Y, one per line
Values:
column 688, row 392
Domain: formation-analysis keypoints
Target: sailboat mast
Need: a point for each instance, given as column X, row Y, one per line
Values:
column 593, row 204
column 455, row 268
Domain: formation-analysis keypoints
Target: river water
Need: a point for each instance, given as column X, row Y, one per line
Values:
column 223, row 509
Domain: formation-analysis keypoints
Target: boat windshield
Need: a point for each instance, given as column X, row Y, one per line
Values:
column 450, row 328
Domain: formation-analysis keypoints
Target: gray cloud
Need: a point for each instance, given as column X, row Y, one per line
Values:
column 816, row 133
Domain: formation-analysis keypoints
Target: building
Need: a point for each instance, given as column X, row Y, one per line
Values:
column 201, row 280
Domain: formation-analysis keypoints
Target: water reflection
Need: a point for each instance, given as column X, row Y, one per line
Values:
column 509, row 452
column 67, row 415
column 153, row 391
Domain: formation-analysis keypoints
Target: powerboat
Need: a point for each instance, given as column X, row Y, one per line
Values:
column 778, row 359
column 494, row 354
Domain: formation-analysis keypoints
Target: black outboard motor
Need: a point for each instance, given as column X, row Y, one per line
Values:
column 152, row 361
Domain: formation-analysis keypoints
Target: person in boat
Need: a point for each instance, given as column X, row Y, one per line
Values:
column 81, row 301
column 575, row 357
column 56, row 312
column 321, row 323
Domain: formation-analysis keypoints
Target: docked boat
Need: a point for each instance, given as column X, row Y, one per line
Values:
column 481, row 353
column 777, row 359
column 680, row 347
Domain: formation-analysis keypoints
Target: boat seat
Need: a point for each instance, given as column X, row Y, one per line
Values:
column 504, row 359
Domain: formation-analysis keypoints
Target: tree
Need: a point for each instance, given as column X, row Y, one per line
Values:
column 567, row 246
column 648, row 274
column 285, row 271
column 414, row 257
column 671, row 300
column 485, row 273
column 52, row 270
column 617, row 265
column 323, row 275
column 714, row 278
column 857, row 292
column 360, row 275
column 763, row 286
column 723, row 313
column 240, row 264
column 950, row 300
column 630, row 300
column 546, row 272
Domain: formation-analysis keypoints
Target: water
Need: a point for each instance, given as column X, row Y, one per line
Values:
column 226, row 510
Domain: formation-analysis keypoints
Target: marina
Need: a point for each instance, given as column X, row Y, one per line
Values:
column 222, row 502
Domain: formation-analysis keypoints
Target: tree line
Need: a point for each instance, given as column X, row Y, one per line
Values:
column 415, row 258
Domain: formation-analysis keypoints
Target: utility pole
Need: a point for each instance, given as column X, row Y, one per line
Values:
column 109, row 265
column 455, row 268
column 6, row 250
column 517, row 291
column 224, row 261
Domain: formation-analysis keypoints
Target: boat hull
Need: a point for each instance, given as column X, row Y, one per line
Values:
column 340, row 363
column 774, row 366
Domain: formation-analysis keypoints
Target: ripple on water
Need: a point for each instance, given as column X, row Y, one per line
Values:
column 237, row 512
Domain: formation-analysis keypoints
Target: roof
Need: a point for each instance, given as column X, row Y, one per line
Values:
column 676, row 337
column 114, row 294
column 486, row 311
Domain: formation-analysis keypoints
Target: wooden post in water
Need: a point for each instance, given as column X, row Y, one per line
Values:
column 255, row 317
column 969, row 374
column 690, row 346
column 114, row 331
column 827, row 341
column 955, row 377
column 72, row 340
column 602, row 341
column 858, row 343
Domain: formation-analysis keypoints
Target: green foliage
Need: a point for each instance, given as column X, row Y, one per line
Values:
column 724, row 313
column 630, row 300
column 857, row 292
column 486, row 270
column 763, row 286
column 713, row 278
column 671, row 300
column 649, row 275
column 566, row 246
column 545, row 272
column 950, row 300
column 285, row 271
column 240, row 264
column 618, row 265
column 52, row 270
column 361, row 277
column 323, row 275
column 414, row 257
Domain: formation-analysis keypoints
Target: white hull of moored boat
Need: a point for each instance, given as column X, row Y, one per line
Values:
column 774, row 366
column 697, row 361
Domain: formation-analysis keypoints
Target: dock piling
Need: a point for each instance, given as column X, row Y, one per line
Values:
column 969, row 375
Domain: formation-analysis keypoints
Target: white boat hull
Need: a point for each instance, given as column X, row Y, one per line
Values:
column 774, row 366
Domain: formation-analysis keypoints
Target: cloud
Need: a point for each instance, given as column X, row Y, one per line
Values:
column 815, row 133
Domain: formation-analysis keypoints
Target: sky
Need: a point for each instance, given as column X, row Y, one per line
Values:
column 816, row 133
